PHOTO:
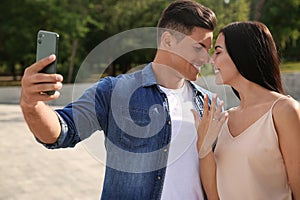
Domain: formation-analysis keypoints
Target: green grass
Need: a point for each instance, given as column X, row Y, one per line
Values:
column 286, row 67
column 290, row 67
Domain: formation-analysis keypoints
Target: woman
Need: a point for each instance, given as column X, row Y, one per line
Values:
column 257, row 151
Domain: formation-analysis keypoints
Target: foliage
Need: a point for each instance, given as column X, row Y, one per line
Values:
column 284, row 23
column 83, row 24
column 234, row 10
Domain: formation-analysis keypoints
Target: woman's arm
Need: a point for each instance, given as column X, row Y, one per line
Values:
column 208, row 176
column 286, row 115
column 208, row 129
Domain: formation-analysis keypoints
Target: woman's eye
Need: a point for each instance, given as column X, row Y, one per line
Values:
column 217, row 53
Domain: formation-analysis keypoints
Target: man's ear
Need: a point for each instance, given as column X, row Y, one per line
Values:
column 167, row 40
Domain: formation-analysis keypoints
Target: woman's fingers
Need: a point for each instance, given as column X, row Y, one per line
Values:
column 213, row 106
column 223, row 117
column 209, row 126
column 218, row 111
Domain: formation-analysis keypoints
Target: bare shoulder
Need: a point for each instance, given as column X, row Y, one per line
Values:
column 286, row 114
column 286, row 106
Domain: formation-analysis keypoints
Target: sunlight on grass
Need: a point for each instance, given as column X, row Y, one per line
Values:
column 290, row 67
column 287, row 67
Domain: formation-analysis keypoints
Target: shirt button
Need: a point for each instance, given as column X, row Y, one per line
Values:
column 169, row 122
column 165, row 150
column 158, row 178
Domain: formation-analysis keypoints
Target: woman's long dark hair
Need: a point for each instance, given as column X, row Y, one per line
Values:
column 253, row 51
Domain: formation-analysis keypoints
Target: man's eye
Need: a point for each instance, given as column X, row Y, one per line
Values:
column 198, row 48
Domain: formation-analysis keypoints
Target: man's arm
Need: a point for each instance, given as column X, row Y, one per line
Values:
column 41, row 119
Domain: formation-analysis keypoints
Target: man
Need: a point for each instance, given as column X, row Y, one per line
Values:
column 146, row 116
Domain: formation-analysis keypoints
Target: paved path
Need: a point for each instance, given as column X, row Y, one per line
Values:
column 28, row 171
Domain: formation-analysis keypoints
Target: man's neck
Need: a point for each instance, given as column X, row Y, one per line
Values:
column 165, row 74
column 167, row 77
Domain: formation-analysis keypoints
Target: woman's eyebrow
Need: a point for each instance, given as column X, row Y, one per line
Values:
column 218, row 46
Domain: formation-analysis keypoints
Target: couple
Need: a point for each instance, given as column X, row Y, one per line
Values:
column 151, row 141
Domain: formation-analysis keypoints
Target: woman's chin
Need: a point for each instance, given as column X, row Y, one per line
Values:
column 218, row 81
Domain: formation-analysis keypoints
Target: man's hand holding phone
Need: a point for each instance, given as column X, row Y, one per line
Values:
column 34, row 83
column 40, row 81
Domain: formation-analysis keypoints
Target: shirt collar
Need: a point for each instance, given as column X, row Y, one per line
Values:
column 149, row 79
column 197, row 89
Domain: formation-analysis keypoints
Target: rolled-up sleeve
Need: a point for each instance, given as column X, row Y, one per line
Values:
column 66, row 138
column 81, row 118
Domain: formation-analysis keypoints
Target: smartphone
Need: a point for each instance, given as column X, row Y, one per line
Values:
column 47, row 44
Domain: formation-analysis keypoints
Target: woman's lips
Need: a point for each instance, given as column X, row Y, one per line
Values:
column 217, row 70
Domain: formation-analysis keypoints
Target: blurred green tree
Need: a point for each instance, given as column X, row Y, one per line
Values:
column 83, row 24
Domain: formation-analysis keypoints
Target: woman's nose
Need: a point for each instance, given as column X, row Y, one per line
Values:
column 211, row 60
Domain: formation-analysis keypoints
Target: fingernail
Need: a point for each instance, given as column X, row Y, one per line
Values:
column 52, row 57
column 59, row 84
column 215, row 95
column 59, row 78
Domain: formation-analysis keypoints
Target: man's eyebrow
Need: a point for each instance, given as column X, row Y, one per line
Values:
column 204, row 46
column 218, row 46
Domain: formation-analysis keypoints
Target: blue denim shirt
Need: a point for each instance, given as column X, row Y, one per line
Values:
column 133, row 113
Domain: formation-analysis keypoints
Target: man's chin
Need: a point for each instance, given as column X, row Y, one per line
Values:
column 192, row 78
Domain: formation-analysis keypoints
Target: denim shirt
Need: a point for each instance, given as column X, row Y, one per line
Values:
column 133, row 113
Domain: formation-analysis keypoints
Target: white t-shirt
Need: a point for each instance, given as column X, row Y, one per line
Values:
column 182, row 179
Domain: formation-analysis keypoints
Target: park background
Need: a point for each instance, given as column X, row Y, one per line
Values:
column 83, row 24
column 29, row 171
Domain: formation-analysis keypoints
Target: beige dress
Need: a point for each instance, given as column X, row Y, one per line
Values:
column 250, row 165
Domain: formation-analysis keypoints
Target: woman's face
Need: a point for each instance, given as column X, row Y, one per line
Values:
column 225, row 69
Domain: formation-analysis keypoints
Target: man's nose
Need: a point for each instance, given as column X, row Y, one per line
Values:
column 211, row 60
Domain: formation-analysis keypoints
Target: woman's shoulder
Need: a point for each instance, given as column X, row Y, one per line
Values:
column 286, row 111
column 286, row 105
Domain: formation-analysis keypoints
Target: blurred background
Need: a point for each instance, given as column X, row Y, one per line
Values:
column 83, row 24
column 29, row 171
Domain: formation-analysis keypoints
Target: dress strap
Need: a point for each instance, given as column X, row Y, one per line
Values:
column 279, row 100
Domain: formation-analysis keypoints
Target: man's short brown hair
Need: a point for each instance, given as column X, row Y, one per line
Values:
column 184, row 15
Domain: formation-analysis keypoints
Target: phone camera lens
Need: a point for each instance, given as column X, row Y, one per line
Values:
column 39, row 41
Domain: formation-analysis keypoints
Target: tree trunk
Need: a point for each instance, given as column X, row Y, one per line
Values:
column 258, row 8
column 13, row 72
column 71, row 66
